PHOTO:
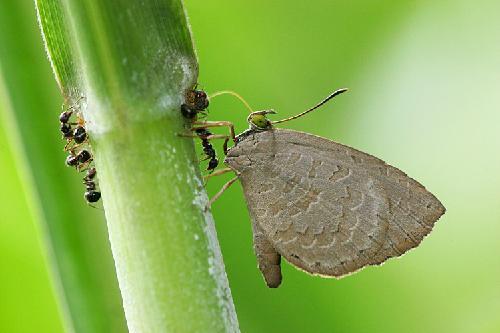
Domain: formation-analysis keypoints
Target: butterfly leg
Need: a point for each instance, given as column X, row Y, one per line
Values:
column 206, row 124
column 222, row 190
column 217, row 173
column 209, row 137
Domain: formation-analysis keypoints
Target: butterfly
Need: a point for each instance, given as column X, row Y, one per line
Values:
column 327, row 208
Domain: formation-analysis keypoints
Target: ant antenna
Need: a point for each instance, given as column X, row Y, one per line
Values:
column 229, row 92
column 73, row 105
column 332, row 95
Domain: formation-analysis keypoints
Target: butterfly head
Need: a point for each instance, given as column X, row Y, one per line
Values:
column 258, row 120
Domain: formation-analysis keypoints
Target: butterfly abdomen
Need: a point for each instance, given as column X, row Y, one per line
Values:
column 268, row 259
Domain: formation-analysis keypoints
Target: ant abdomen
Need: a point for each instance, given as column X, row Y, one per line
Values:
column 212, row 164
column 66, row 130
column 92, row 196
column 71, row 161
column 79, row 134
column 83, row 156
column 208, row 149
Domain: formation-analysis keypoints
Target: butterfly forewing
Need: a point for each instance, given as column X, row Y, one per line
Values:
column 327, row 208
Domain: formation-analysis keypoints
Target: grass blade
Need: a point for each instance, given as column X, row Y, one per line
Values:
column 82, row 269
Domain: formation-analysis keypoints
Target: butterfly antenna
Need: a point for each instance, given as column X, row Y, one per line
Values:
column 232, row 93
column 332, row 95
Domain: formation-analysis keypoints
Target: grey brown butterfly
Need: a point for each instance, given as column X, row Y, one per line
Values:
column 327, row 208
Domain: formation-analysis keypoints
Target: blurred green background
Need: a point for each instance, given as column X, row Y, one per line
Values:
column 424, row 83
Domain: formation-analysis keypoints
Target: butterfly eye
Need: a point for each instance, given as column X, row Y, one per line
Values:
column 259, row 121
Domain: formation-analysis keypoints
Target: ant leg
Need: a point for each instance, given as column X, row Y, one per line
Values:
column 205, row 124
column 187, row 135
column 74, row 106
column 84, row 166
column 232, row 93
column 202, row 114
column 91, row 205
column 79, row 119
column 67, row 147
column 71, row 145
column 218, row 194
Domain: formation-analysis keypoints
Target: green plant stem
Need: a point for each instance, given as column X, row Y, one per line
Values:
column 74, row 236
column 135, row 60
column 167, row 260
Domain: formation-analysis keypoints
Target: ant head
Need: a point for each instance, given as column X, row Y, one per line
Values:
column 200, row 99
column 200, row 94
column 258, row 120
column 197, row 100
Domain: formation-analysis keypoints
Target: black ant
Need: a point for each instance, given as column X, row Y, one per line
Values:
column 66, row 129
column 196, row 102
column 79, row 134
column 82, row 158
column 91, row 195
column 208, row 149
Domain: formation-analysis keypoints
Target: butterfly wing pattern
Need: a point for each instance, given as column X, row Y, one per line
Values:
column 329, row 209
